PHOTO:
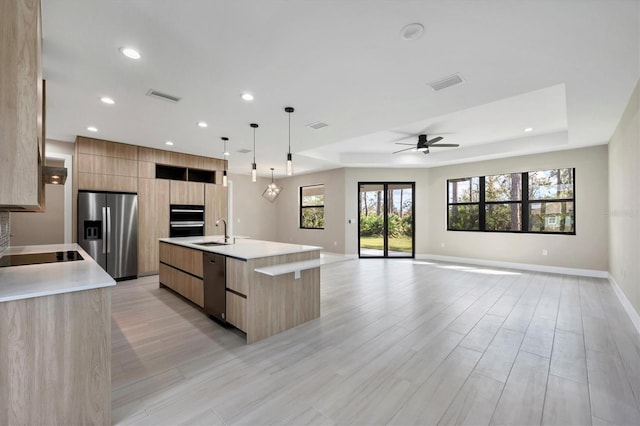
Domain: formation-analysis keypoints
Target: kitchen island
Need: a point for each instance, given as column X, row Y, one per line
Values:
column 55, row 340
column 269, row 286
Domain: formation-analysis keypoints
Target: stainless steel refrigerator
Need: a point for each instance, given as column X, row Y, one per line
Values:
column 108, row 231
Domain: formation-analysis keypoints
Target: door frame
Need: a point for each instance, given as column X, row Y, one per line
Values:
column 385, row 191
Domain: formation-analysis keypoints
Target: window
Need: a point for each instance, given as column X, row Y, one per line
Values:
column 537, row 202
column 464, row 203
column 312, row 207
column 551, row 201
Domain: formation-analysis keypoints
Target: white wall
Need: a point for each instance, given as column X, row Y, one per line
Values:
column 624, row 187
column 251, row 214
column 588, row 249
column 332, row 237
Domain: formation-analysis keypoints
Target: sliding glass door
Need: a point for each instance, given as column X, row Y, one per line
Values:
column 386, row 219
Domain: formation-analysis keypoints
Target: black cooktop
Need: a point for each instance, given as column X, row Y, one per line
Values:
column 37, row 258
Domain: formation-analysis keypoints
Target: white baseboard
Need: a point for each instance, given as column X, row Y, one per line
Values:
column 633, row 315
column 512, row 265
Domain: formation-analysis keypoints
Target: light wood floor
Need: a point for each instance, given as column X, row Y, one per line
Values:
column 398, row 342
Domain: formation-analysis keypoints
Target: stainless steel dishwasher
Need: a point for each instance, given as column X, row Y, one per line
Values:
column 215, row 286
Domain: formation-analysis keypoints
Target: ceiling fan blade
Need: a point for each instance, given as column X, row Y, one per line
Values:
column 410, row 144
column 434, row 140
column 444, row 145
column 402, row 150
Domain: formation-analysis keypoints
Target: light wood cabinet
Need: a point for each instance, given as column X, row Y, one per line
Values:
column 187, row 192
column 96, row 182
column 237, row 275
column 21, row 108
column 183, row 258
column 103, row 165
column 106, row 148
column 181, row 271
column 215, row 197
column 236, row 311
column 185, row 285
column 153, row 155
column 55, row 353
column 153, row 222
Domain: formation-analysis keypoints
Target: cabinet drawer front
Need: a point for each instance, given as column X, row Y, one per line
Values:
column 187, row 193
column 184, row 284
column 106, row 148
column 107, row 183
column 187, row 259
column 237, row 276
column 107, row 165
column 237, row 311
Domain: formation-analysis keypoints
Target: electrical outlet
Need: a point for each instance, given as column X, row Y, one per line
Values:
column 441, row 244
column 335, row 244
column 545, row 252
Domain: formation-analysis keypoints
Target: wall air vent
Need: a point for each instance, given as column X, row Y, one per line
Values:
column 163, row 96
column 452, row 80
column 317, row 125
column 244, row 151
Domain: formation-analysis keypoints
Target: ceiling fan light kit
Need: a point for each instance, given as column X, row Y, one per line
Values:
column 424, row 144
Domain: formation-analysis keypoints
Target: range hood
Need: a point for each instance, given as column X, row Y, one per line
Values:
column 54, row 175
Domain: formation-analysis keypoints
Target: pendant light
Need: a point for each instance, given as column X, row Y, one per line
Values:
column 224, row 152
column 254, row 172
column 289, row 110
column 272, row 191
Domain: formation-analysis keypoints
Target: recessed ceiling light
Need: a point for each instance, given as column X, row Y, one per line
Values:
column 412, row 32
column 226, row 153
column 130, row 52
column 529, row 129
column 107, row 100
column 92, row 129
column 202, row 124
column 169, row 143
column 247, row 96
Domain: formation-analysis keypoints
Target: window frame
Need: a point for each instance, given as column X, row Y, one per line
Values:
column 524, row 204
column 302, row 207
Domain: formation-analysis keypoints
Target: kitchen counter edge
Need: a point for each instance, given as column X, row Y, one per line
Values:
column 29, row 281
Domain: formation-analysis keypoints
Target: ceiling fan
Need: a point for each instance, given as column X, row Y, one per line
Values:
column 424, row 144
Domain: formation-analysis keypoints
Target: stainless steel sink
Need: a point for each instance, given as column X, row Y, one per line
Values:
column 215, row 243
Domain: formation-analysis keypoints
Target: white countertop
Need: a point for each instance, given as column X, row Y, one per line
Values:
column 244, row 248
column 26, row 281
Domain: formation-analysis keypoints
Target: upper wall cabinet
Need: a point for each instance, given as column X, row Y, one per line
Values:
column 21, row 106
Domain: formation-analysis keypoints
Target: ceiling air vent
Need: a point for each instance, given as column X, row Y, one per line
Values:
column 452, row 80
column 244, row 151
column 317, row 125
column 163, row 96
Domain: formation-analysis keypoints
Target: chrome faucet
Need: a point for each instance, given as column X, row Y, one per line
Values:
column 226, row 237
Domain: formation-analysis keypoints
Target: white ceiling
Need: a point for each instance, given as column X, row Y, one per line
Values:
column 566, row 68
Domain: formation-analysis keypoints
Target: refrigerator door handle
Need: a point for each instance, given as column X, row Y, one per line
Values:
column 104, row 230
column 108, row 229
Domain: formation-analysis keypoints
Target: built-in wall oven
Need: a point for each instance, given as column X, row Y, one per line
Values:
column 186, row 221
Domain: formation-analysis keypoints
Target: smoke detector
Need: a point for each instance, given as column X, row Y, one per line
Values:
column 411, row 32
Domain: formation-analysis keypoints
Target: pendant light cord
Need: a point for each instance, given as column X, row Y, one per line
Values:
column 254, row 145
column 289, row 133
